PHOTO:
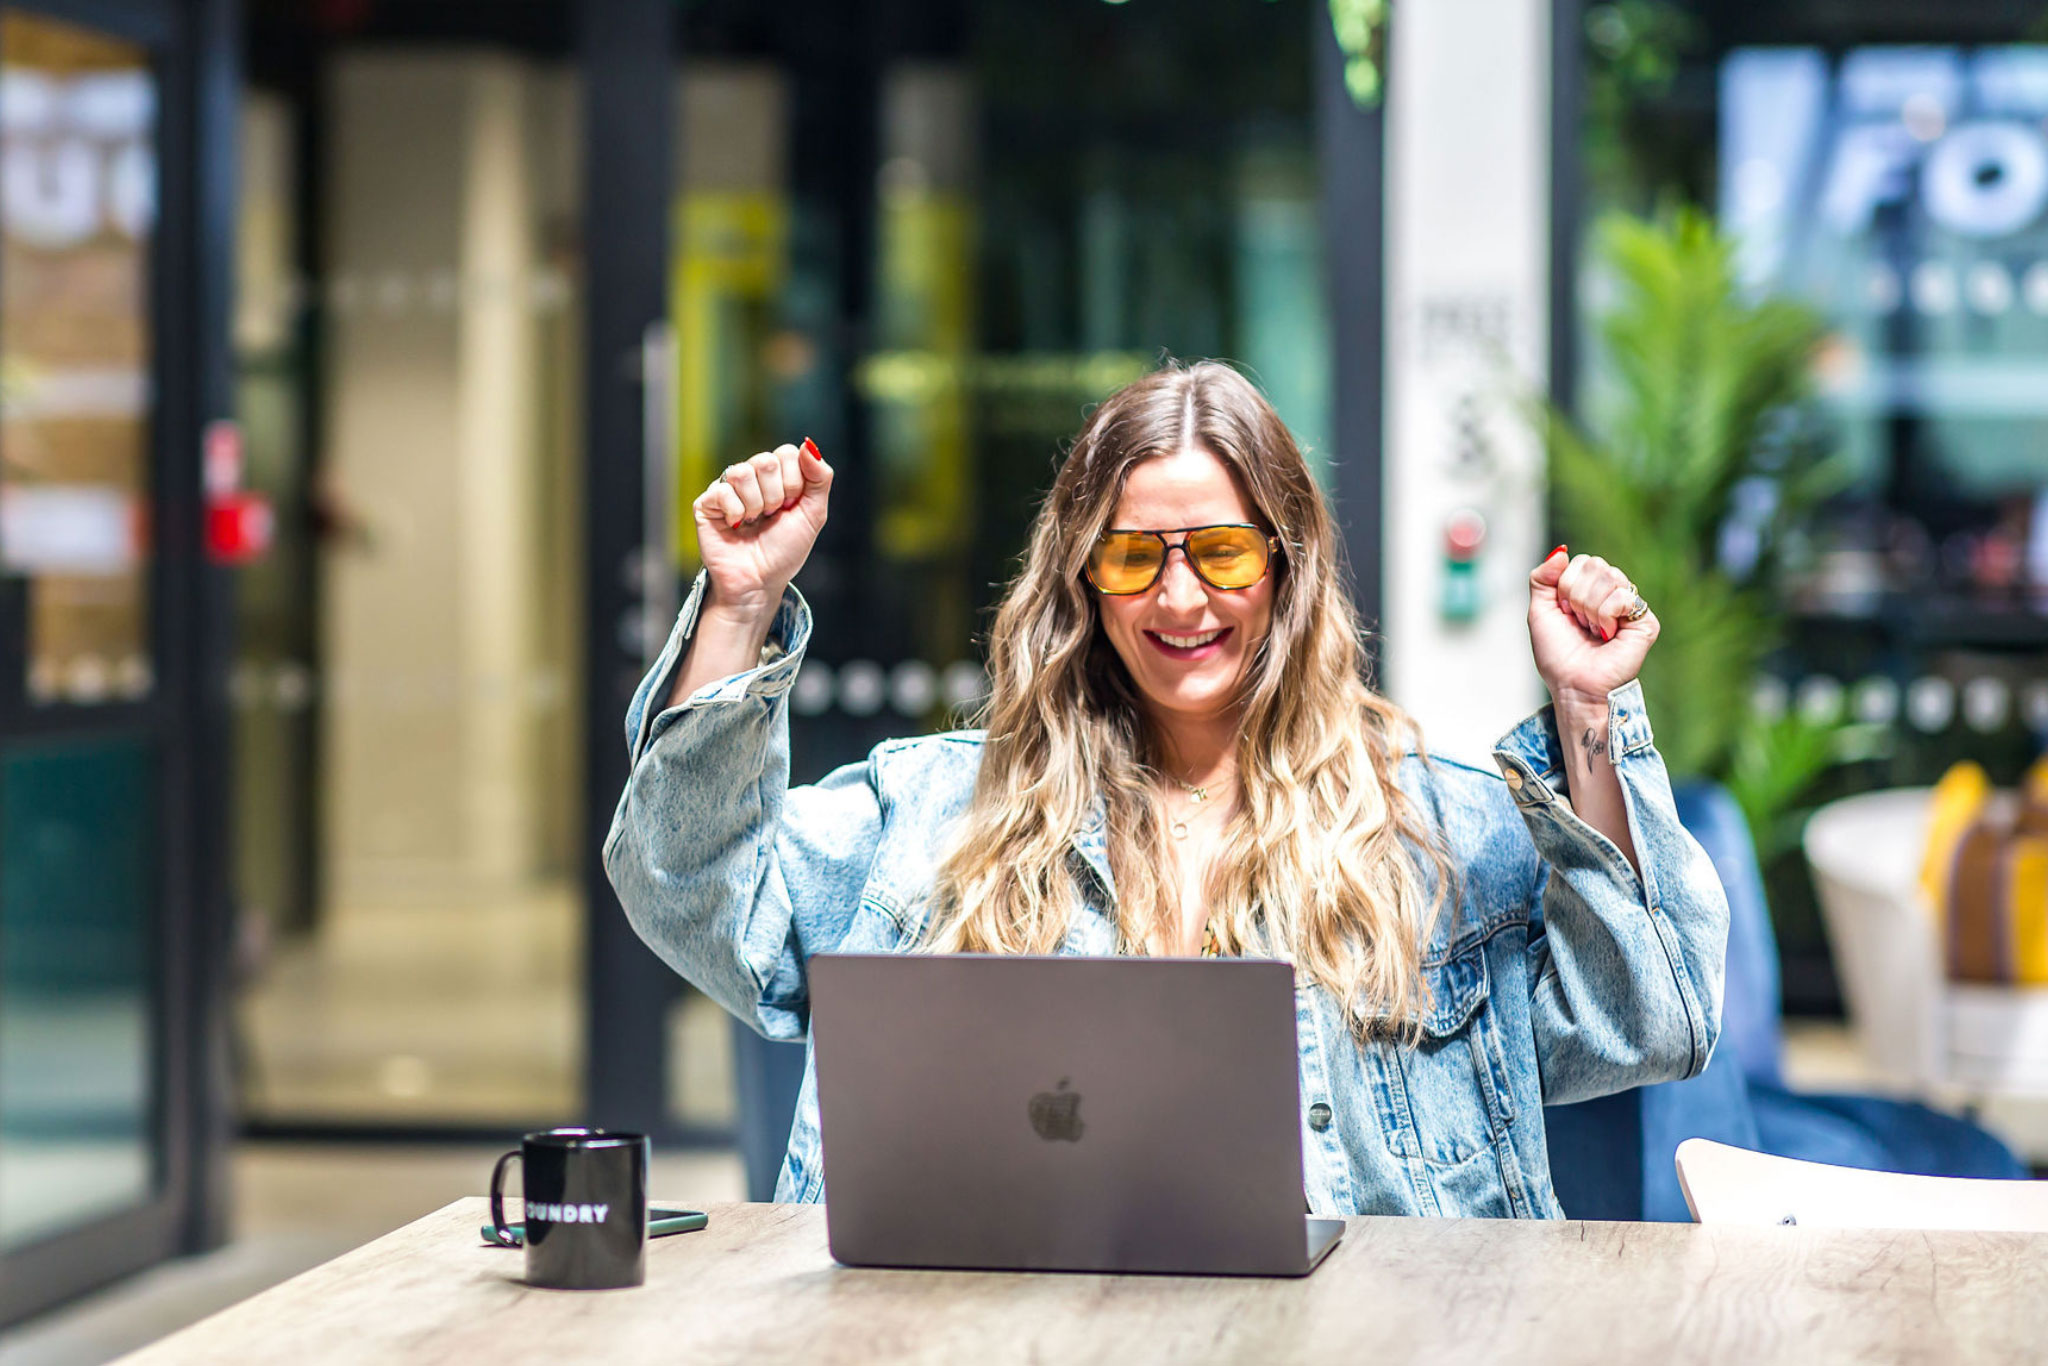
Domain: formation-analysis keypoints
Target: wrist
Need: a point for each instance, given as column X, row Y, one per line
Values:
column 751, row 611
column 726, row 640
column 1581, row 725
column 1579, row 703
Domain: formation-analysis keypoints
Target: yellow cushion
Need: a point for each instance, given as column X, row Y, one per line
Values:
column 1959, row 798
column 2027, row 893
column 2034, row 786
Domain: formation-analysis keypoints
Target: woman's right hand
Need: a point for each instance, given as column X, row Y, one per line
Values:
column 756, row 525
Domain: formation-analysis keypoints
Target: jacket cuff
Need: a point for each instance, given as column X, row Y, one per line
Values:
column 772, row 678
column 1532, row 755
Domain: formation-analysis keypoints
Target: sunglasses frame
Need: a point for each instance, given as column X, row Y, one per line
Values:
column 1160, row 534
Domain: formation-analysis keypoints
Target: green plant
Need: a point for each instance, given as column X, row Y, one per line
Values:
column 1361, row 29
column 1775, row 761
column 1699, row 391
column 1635, row 141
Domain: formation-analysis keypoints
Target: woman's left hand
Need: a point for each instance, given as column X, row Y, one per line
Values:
column 1584, row 645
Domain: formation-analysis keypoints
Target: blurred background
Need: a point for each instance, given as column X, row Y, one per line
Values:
column 359, row 359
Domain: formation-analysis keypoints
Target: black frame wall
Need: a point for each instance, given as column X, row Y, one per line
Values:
column 196, row 43
column 1351, row 149
column 629, row 121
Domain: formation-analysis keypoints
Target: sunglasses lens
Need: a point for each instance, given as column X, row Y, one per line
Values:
column 1125, row 562
column 1229, row 556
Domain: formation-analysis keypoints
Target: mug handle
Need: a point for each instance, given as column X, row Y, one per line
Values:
column 501, row 1234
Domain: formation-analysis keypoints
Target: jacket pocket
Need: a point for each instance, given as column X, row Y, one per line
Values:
column 1471, row 1189
column 1453, row 1099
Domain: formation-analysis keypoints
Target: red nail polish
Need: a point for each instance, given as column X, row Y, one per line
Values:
column 791, row 503
column 1554, row 552
column 1606, row 634
column 811, row 448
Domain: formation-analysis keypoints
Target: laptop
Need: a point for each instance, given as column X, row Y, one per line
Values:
column 1062, row 1114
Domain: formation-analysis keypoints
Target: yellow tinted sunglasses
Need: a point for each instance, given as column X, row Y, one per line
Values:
column 1228, row 556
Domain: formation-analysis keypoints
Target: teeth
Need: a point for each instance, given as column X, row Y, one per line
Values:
column 1188, row 642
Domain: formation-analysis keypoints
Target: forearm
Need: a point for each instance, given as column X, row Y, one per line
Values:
column 1595, row 788
column 727, row 641
column 686, row 848
column 1626, row 974
column 698, row 851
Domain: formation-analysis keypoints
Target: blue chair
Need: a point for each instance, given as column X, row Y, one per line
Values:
column 1612, row 1158
column 766, row 1077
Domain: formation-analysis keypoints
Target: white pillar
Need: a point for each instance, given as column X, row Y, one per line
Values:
column 436, row 623
column 1468, row 155
column 391, row 618
column 499, row 480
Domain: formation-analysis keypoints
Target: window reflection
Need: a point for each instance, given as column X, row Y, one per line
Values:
column 978, row 221
column 76, row 960
column 1071, row 194
column 77, row 209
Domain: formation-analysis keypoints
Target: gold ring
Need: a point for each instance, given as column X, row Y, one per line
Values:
column 1638, row 609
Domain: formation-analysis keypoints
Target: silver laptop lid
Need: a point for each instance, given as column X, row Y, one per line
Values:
column 1102, row 1114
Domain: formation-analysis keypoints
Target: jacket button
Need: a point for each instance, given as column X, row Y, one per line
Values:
column 1514, row 780
column 1319, row 1116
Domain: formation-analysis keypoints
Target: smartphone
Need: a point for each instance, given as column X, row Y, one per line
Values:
column 659, row 1222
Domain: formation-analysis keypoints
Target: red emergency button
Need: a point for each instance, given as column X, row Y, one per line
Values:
column 239, row 528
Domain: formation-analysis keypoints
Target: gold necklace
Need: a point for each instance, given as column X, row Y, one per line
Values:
column 1200, row 794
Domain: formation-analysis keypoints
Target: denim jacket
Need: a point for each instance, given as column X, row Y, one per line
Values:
column 1558, row 975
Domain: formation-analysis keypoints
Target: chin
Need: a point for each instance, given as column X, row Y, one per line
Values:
column 1193, row 701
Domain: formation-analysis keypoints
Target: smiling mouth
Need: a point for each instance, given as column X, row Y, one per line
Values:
column 1195, row 646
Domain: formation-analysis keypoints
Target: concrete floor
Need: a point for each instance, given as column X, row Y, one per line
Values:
column 455, row 1006
column 1822, row 1055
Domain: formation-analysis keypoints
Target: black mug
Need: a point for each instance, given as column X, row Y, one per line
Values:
column 586, row 1208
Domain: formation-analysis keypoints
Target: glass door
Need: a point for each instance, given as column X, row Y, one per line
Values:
column 103, row 867
column 410, row 655
column 452, row 352
column 910, row 233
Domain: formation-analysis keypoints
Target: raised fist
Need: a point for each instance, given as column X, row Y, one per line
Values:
column 757, row 522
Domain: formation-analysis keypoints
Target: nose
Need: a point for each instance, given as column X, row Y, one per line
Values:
column 1179, row 585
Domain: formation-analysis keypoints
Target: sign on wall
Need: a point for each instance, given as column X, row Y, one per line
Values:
column 1903, row 191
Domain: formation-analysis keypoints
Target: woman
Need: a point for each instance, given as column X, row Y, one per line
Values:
column 1181, row 755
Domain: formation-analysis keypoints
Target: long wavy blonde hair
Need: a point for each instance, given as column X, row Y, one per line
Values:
column 1321, row 863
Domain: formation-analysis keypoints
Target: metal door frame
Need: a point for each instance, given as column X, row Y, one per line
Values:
column 629, row 120
column 196, row 42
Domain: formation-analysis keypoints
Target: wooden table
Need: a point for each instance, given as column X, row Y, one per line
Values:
column 758, row 1287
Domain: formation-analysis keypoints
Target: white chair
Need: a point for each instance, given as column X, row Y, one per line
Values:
column 1943, row 1040
column 1725, row 1185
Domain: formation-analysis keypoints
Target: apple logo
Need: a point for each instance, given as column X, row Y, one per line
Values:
column 1056, row 1114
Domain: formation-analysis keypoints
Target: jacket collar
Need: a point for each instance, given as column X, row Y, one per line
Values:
column 1093, row 930
column 1091, row 842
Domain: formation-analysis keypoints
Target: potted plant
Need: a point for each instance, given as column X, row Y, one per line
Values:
column 1697, row 452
